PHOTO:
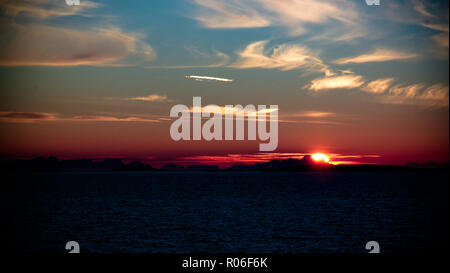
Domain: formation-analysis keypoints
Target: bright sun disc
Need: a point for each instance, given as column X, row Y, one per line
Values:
column 320, row 157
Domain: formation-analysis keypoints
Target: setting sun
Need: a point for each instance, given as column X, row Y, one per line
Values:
column 320, row 157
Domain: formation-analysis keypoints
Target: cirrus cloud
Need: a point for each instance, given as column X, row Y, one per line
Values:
column 26, row 116
column 293, row 15
column 284, row 57
column 378, row 86
column 336, row 82
column 417, row 94
column 379, row 55
column 151, row 98
column 385, row 91
column 29, row 117
column 229, row 14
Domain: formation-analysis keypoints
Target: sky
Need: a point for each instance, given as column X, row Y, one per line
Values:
column 363, row 84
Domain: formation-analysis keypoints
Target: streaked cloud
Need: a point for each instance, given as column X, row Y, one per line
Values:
column 151, row 98
column 230, row 14
column 311, row 117
column 283, row 57
column 208, row 78
column 378, row 86
column 420, row 8
column 438, row 27
column 436, row 95
column 336, row 82
column 28, row 117
column 379, row 55
column 420, row 94
column 441, row 39
column 405, row 91
column 341, row 33
column 314, row 114
column 429, row 14
column 385, row 91
column 442, row 44
column 112, row 119
column 293, row 15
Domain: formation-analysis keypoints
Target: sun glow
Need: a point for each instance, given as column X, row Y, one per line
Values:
column 320, row 158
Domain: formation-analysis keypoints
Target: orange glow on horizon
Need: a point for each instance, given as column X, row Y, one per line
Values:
column 319, row 157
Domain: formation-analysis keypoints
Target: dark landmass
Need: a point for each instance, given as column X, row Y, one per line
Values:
column 202, row 168
column 173, row 167
column 52, row 164
column 135, row 166
column 304, row 164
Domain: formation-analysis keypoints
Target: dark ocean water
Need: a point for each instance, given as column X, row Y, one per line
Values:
column 226, row 212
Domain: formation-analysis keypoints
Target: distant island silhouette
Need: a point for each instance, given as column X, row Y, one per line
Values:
column 52, row 164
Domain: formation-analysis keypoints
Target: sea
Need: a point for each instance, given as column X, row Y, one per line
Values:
column 225, row 212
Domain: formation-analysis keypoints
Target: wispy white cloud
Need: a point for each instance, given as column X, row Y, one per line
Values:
column 151, row 98
column 417, row 94
column 438, row 27
column 230, row 14
column 208, row 78
column 420, row 94
column 296, row 14
column 341, row 33
column 420, row 8
column 311, row 117
column 379, row 55
column 429, row 14
column 314, row 114
column 378, row 86
column 441, row 38
column 437, row 93
column 442, row 44
column 336, row 82
column 293, row 15
column 283, row 57
column 385, row 91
